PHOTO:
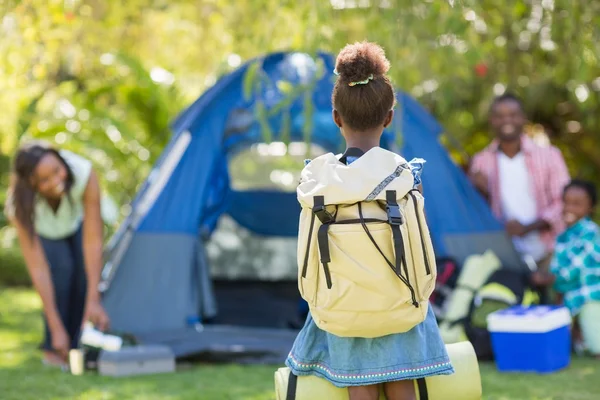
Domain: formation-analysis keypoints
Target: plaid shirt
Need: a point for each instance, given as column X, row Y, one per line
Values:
column 576, row 264
column 548, row 173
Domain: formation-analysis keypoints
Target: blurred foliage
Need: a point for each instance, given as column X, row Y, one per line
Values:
column 13, row 271
column 105, row 78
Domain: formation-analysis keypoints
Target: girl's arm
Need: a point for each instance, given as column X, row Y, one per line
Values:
column 92, row 251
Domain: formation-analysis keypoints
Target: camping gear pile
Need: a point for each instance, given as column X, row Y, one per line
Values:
column 483, row 287
column 474, row 273
column 447, row 276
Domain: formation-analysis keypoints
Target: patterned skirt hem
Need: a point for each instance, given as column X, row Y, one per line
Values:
column 344, row 379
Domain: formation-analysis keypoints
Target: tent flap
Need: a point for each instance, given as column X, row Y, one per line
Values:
column 155, row 286
column 268, row 213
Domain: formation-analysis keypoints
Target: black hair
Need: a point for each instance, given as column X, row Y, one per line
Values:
column 587, row 186
column 22, row 190
column 363, row 106
column 506, row 97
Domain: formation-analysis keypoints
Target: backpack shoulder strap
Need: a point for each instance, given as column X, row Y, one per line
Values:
column 384, row 183
column 395, row 219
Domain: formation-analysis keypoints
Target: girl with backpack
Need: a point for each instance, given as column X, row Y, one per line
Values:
column 350, row 337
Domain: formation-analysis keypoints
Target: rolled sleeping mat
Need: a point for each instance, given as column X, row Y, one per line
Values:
column 464, row 384
column 475, row 272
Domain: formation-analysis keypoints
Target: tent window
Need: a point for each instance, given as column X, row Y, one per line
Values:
column 273, row 166
column 237, row 253
column 239, row 122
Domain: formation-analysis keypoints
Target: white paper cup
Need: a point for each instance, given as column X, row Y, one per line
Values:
column 76, row 361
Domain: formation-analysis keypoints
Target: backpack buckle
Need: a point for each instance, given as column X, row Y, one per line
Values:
column 394, row 214
column 324, row 216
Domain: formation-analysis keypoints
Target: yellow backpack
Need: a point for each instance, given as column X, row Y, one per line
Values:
column 366, row 265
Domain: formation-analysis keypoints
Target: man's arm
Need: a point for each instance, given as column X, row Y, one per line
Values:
column 557, row 179
column 551, row 216
column 477, row 176
column 539, row 225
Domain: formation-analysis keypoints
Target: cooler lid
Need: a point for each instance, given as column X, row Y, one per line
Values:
column 533, row 319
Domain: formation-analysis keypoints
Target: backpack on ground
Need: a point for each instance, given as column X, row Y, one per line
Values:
column 448, row 271
column 505, row 288
column 474, row 273
column 366, row 265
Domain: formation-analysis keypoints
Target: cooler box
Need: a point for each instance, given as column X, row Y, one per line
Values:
column 531, row 339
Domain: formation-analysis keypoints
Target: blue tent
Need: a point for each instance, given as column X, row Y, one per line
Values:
column 156, row 277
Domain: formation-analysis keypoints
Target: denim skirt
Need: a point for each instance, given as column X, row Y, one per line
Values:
column 344, row 362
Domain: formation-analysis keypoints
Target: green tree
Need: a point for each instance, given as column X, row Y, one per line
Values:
column 105, row 78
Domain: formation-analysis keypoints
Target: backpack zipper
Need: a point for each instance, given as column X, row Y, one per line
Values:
column 310, row 233
column 427, row 267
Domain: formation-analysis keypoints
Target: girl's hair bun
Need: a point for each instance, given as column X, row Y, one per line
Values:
column 356, row 62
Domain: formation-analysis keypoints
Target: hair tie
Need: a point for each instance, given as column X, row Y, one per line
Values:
column 370, row 77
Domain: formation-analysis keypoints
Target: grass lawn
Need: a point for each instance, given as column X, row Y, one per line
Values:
column 23, row 377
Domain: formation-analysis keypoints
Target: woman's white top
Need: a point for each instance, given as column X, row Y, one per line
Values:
column 69, row 216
